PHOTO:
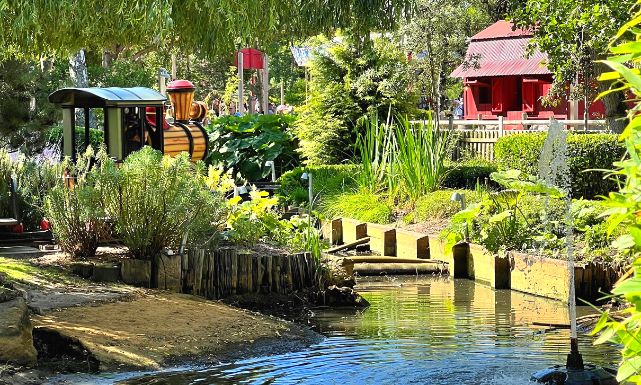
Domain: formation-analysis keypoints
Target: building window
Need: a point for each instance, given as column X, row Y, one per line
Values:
column 484, row 95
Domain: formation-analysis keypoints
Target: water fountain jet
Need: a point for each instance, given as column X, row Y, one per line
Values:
column 553, row 169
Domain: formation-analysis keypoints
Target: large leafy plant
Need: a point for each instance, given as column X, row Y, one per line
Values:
column 245, row 144
column 498, row 220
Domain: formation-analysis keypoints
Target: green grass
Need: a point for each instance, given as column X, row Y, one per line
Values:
column 25, row 272
column 362, row 205
column 438, row 205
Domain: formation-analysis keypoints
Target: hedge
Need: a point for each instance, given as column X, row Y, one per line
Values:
column 466, row 174
column 585, row 152
column 327, row 180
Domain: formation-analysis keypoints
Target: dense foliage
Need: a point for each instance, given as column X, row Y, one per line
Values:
column 326, row 180
column 438, row 205
column 76, row 209
column 46, row 27
column 246, row 143
column 34, row 179
column 437, row 37
column 469, row 173
column 588, row 155
column 406, row 160
column 527, row 214
column 349, row 81
column 624, row 210
column 151, row 201
column 156, row 200
column 363, row 205
column 25, row 112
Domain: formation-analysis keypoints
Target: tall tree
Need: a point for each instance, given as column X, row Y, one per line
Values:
column 574, row 34
column 437, row 37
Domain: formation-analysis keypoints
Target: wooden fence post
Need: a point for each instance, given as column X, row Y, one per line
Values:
column 500, row 126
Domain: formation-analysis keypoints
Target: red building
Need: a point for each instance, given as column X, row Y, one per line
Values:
column 501, row 80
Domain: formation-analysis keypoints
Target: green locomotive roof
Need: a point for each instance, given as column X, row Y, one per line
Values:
column 106, row 97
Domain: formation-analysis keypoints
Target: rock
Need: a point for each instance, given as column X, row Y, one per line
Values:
column 16, row 341
column 7, row 294
column 166, row 272
column 342, row 296
column 106, row 272
column 82, row 269
column 136, row 272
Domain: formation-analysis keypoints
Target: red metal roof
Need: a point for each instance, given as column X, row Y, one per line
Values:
column 499, row 30
column 501, row 57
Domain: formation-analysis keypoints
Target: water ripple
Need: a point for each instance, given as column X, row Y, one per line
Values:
column 428, row 331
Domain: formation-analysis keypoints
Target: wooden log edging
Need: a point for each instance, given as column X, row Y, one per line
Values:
column 227, row 271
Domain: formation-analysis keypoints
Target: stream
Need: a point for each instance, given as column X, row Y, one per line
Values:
column 418, row 330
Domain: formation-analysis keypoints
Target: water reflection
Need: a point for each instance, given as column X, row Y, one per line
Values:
column 418, row 331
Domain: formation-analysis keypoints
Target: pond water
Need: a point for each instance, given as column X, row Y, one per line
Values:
column 426, row 330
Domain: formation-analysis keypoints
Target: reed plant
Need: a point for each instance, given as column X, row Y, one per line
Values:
column 420, row 157
column 375, row 147
column 404, row 159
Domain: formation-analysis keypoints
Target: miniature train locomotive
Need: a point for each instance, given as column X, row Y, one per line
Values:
column 132, row 117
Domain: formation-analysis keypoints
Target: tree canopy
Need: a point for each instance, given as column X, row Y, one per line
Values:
column 210, row 27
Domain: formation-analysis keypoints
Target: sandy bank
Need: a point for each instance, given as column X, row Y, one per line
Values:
column 160, row 329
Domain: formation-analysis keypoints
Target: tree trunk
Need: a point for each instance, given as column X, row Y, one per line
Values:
column 79, row 75
column 615, row 112
column 615, row 107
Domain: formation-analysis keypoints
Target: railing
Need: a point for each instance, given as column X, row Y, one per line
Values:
column 476, row 138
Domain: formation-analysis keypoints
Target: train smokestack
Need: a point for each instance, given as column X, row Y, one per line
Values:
column 181, row 94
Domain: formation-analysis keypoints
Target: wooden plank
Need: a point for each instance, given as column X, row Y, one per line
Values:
column 382, row 239
column 411, row 244
column 348, row 246
column 353, row 230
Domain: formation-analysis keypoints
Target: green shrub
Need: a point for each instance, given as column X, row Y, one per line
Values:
column 155, row 200
column 362, row 205
column 349, row 80
column 34, row 181
column 96, row 137
column 77, row 213
column 469, row 173
column 326, row 179
column 585, row 152
column 439, row 205
column 246, row 143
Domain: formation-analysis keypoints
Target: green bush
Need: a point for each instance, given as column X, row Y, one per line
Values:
column 96, row 137
column 326, row 179
column 34, row 181
column 439, row 205
column 77, row 214
column 469, row 173
column 362, row 205
column 246, row 143
column 155, row 200
column 585, row 152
